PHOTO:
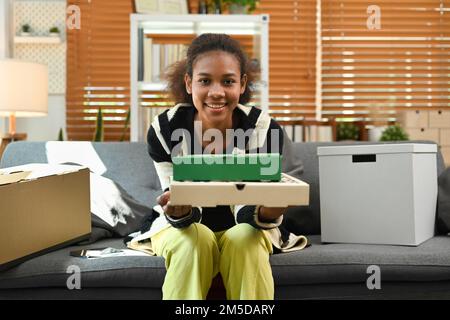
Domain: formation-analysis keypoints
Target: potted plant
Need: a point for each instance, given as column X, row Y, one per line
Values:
column 54, row 32
column 347, row 131
column 25, row 30
column 394, row 133
column 240, row 6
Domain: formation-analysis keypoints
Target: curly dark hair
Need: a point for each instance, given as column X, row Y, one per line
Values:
column 204, row 43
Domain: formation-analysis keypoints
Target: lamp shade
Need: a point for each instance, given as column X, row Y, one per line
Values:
column 23, row 88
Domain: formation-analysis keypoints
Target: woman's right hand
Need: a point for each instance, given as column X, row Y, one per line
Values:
column 172, row 211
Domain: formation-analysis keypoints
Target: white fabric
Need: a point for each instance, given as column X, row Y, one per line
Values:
column 164, row 171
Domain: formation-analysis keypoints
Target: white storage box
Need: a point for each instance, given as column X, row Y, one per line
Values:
column 379, row 194
column 288, row 192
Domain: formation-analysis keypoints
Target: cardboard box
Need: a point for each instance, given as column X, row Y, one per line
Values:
column 379, row 194
column 287, row 192
column 42, row 207
column 228, row 167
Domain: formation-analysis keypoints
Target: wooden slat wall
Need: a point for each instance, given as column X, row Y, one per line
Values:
column 98, row 69
column 375, row 73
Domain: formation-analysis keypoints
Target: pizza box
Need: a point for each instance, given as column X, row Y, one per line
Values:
column 287, row 192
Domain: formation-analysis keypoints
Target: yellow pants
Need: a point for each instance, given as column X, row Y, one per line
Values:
column 194, row 255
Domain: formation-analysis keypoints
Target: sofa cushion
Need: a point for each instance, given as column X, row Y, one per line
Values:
column 113, row 209
column 319, row 263
column 345, row 263
column 51, row 269
column 443, row 202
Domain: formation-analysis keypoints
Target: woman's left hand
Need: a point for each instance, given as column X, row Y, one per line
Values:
column 266, row 214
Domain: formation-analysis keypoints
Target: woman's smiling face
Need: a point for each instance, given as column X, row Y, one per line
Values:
column 216, row 86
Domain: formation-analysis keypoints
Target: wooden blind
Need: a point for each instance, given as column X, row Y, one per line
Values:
column 292, row 50
column 372, row 74
column 98, row 69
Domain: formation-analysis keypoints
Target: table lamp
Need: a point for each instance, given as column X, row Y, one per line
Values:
column 23, row 92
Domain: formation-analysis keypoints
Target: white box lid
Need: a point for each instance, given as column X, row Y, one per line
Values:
column 378, row 149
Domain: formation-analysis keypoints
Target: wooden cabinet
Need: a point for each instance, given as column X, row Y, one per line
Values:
column 431, row 125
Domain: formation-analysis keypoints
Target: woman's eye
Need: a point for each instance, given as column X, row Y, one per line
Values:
column 229, row 82
column 204, row 81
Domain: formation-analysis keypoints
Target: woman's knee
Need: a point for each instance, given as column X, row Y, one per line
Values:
column 243, row 234
column 203, row 234
column 193, row 238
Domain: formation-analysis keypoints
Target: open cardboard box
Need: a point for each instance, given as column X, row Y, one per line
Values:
column 42, row 207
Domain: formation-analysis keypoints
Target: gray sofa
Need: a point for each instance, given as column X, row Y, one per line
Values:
column 330, row 271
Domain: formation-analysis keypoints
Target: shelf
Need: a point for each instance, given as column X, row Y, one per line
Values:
column 36, row 39
column 152, row 86
column 195, row 24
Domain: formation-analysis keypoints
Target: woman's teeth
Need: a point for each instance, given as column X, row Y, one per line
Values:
column 215, row 106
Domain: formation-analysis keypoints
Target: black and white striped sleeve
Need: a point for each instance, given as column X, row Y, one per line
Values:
column 160, row 153
column 158, row 140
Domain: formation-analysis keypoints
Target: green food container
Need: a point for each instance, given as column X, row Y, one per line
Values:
column 228, row 167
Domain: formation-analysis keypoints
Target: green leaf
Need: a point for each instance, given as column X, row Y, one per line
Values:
column 61, row 135
column 347, row 131
column 125, row 129
column 99, row 130
column 394, row 133
column 250, row 4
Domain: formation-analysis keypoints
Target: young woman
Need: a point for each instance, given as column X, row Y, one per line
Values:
column 211, row 87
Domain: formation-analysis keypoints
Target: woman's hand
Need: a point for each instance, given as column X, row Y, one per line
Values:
column 268, row 214
column 172, row 211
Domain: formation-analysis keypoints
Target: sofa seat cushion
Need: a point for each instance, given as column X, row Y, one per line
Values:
column 50, row 270
column 317, row 264
column 347, row 263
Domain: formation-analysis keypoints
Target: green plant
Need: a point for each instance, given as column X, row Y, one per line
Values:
column 347, row 131
column 54, row 30
column 61, row 135
column 249, row 4
column 26, row 28
column 125, row 128
column 394, row 133
column 99, row 130
column 99, row 134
